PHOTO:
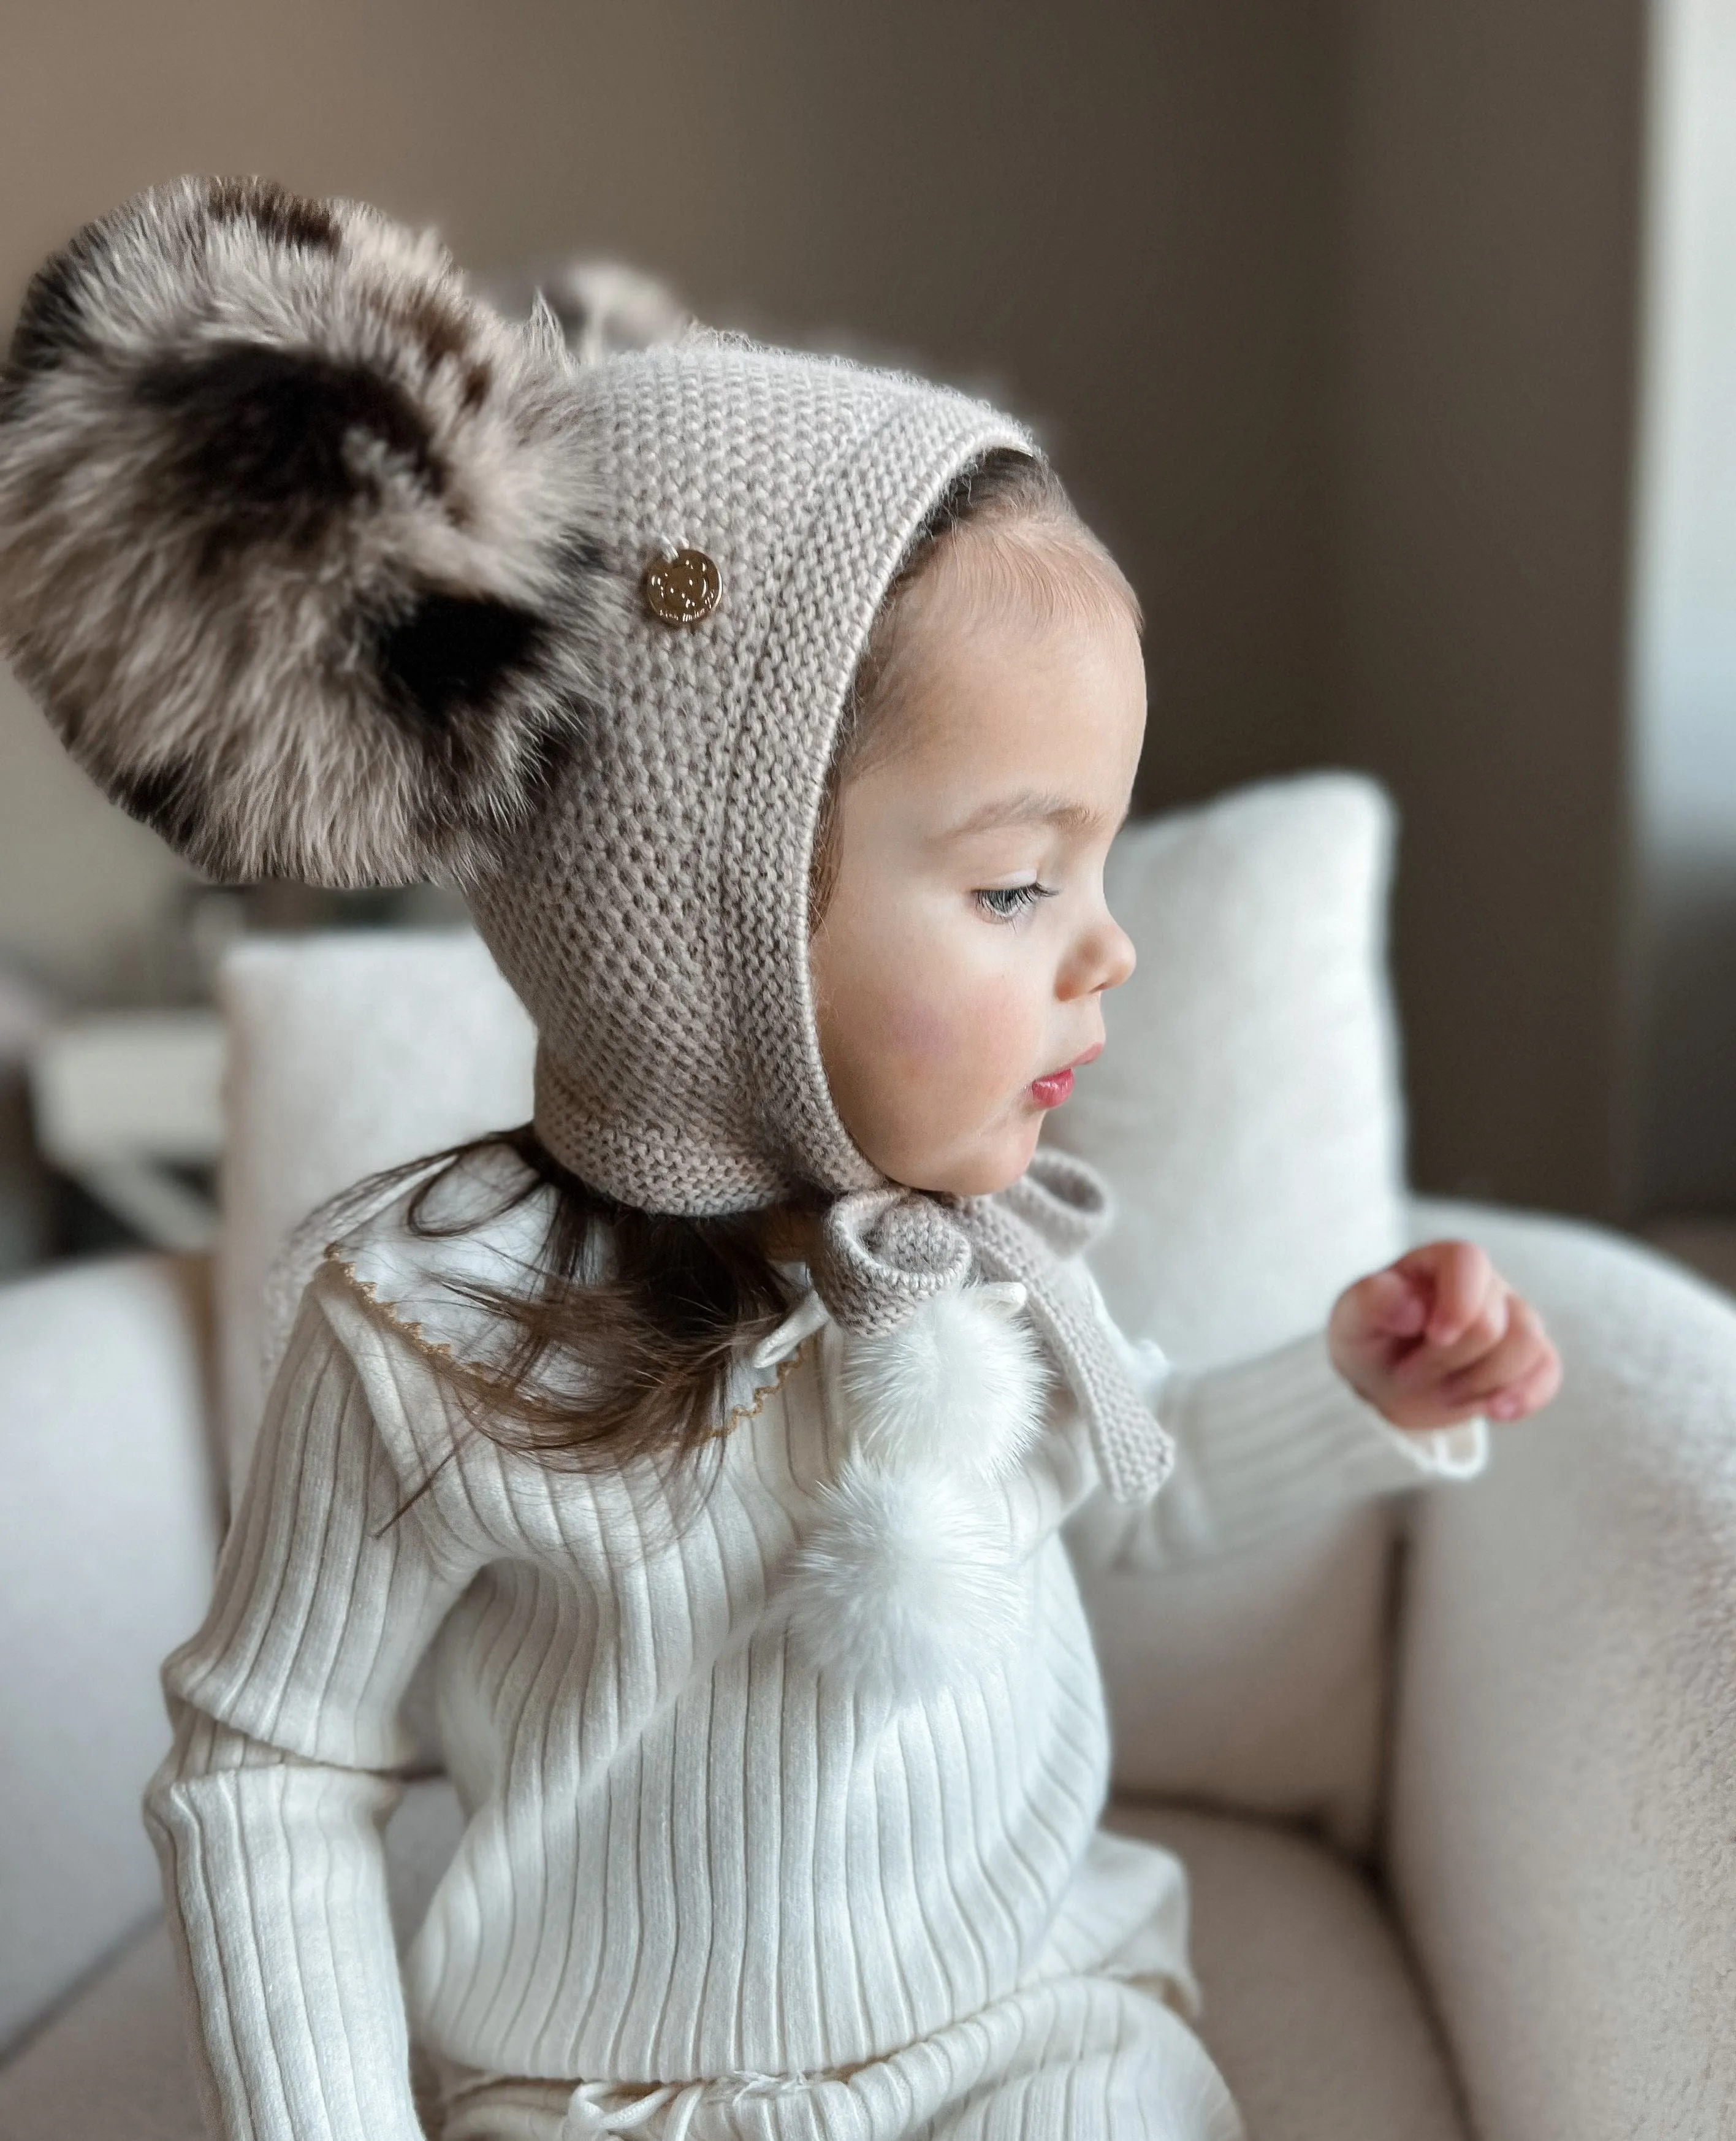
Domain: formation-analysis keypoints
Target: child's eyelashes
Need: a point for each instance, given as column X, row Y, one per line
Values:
column 1006, row 900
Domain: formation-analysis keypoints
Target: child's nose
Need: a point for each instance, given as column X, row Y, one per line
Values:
column 1104, row 959
column 1122, row 958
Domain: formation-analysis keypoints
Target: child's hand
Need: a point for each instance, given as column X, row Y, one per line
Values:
column 1440, row 1336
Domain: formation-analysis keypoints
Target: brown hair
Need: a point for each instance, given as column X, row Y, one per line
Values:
column 653, row 1336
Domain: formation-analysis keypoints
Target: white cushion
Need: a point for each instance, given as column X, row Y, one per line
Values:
column 1246, row 1107
column 347, row 1053
column 1246, row 1113
column 1310, row 2012
column 107, row 1538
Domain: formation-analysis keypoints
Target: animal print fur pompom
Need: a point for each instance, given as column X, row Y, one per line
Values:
column 294, row 536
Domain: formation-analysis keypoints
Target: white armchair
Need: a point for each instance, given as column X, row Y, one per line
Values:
column 1454, row 1778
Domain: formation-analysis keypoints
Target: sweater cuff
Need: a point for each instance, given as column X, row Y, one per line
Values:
column 1260, row 1443
column 1270, row 1437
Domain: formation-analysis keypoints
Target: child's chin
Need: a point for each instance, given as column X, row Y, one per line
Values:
column 1001, row 1168
column 993, row 1162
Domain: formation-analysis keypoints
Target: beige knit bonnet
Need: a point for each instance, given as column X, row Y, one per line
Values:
column 327, row 572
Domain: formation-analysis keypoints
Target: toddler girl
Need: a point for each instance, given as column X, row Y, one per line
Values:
column 716, row 1429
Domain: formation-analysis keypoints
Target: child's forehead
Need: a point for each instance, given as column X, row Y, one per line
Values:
column 1034, row 567
column 989, row 620
column 1011, row 723
column 1012, row 676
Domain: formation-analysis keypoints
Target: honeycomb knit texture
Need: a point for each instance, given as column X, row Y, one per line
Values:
column 654, row 919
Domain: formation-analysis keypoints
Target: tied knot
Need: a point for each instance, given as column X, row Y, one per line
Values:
column 885, row 1252
column 1060, row 1198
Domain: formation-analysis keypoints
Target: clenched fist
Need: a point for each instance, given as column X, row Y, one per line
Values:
column 1440, row 1336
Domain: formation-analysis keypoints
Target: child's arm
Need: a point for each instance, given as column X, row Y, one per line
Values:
column 266, row 1812
column 1391, row 1395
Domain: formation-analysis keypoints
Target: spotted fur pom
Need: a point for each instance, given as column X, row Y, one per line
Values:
column 295, row 540
column 597, row 307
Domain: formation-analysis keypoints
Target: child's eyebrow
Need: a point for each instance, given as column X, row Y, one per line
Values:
column 1031, row 806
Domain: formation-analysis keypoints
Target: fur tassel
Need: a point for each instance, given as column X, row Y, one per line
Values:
column 902, row 1584
column 294, row 541
column 909, row 1575
column 960, row 1383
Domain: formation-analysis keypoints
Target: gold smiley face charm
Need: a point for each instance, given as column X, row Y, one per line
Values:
column 682, row 587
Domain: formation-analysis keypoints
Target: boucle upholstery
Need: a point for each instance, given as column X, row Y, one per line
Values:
column 107, row 1533
column 1561, row 1827
column 1562, row 1824
column 1564, row 1793
column 1312, row 2009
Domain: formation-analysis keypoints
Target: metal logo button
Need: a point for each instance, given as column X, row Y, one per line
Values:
column 682, row 588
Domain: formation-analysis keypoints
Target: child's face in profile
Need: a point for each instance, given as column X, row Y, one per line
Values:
column 967, row 944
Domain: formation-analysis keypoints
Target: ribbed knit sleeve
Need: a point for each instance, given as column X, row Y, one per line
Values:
column 1259, row 1444
column 266, row 1812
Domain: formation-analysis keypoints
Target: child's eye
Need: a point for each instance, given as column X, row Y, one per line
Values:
column 1006, row 901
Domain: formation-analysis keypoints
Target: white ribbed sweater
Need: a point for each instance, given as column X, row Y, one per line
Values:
column 695, row 1846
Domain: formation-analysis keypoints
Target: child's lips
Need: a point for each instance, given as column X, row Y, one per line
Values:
column 1050, row 1090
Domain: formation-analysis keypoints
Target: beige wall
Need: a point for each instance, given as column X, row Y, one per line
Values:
column 1490, row 188
column 1111, row 213
column 1326, row 308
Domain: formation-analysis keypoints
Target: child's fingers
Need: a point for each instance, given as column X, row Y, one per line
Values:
column 1513, row 1355
column 1431, row 1363
column 1388, row 1304
column 1530, row 1394
column 1460, row 1280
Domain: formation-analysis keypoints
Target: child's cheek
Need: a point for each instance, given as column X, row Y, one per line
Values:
column 923, row 1034
column 949, row 1009
column 961, row 1035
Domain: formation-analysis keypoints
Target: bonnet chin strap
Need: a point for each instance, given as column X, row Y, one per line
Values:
column 885, row 1252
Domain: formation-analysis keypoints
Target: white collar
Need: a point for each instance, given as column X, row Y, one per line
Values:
column 810, row 1312
column 806, row 1317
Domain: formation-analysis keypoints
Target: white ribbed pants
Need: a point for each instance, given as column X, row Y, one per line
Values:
column 1074, row 2059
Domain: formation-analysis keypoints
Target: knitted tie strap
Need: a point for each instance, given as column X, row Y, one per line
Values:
column 885, row 1252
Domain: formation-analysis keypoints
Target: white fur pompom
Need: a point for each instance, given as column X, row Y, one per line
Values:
column 960, row 1383
column 903, row 1582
